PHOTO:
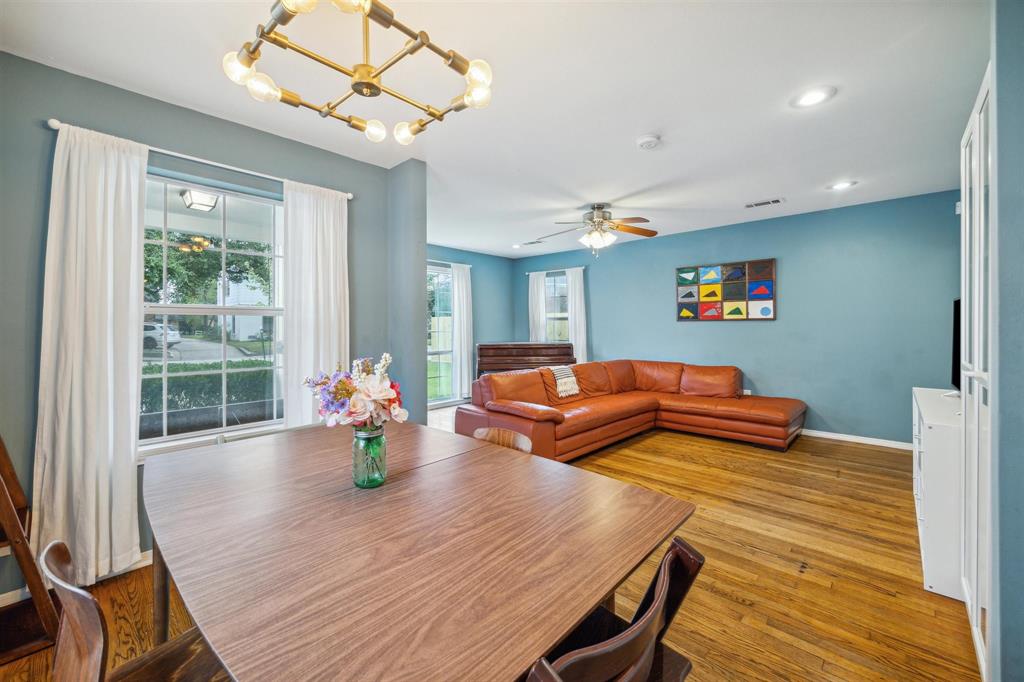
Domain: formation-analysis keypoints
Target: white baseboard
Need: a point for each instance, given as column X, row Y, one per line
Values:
column 15, row 596
column 860, row 439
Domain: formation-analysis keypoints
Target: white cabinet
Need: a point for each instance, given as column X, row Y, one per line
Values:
column 937, row 488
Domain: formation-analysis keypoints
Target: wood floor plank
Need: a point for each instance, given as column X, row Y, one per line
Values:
column 813, row 570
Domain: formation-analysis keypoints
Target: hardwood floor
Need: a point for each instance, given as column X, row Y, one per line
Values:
column 812, row 572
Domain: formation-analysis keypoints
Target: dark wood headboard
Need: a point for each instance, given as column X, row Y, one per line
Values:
column 502, row 357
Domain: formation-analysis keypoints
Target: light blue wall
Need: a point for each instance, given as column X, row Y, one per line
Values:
column 31, row 94
column 492, row 291
column 1008, row 540
column 865, row 299
column 406, row 281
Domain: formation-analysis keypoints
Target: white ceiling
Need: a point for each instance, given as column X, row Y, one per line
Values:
column 575, row 84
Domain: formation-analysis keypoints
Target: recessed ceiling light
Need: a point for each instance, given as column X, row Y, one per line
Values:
column 814, row 96
column 842, row 184
column 515, row 246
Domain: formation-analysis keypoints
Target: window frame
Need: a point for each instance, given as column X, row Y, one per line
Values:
column 440, row 269
column 160, row 312
column 549, row 315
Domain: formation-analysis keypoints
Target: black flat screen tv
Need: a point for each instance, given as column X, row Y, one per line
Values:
column 955, row 373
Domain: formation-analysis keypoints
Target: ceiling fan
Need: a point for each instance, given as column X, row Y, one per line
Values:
column 600, row 228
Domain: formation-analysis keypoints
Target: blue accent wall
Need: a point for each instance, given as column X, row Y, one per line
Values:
column 865, row 300
column 491, row 278
column 1008, row 524
column 33, row 93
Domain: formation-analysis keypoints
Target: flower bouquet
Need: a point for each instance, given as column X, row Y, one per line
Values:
column 365, row 398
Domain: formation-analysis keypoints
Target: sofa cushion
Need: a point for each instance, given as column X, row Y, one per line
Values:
column 592, row 378
column 662, row 377
column 524, row 385
column 591, row 413
column 723, row 381
column 761, row 409
column 620, row 373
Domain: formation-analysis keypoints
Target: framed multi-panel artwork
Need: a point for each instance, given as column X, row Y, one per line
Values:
column 726, row 291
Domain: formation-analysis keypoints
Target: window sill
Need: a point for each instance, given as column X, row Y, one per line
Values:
column 185, row 443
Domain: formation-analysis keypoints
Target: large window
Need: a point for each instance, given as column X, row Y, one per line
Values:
column 439, row 334
column 211, row 333
column 556, row 306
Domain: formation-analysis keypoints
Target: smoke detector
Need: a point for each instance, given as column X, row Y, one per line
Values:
column 648, row 142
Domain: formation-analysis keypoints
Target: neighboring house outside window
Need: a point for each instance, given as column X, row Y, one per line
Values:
column 211, row 334
column 556, row 306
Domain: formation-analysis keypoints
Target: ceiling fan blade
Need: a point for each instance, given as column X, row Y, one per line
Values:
column 642, row 231
column 555, row 234
column 632, row 220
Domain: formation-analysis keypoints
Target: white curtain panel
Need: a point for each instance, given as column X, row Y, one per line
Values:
column 577, row 304
column 316, row 305
column 462, row 334
column 537, row 303
column 90, row 360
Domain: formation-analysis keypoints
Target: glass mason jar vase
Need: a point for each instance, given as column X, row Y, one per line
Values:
column 369, row 458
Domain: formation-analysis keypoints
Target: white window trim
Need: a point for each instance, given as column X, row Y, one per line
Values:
column 166, row 443
column 442, row 269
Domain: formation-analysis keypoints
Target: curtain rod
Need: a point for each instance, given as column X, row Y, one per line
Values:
column 581, row 267
column 445, row 262
column 56, row 124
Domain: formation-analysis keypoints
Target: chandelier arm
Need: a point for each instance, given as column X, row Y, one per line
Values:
column 411, row 47
column 401, row 27
column 433, row 112
column 282, row 41
column 366, row 39
column 326, row 109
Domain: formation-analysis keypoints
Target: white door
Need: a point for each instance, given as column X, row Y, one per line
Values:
column 976, row 370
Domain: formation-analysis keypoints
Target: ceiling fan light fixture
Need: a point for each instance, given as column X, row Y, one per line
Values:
column 598, row 239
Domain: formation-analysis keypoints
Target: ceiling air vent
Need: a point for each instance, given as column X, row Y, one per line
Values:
column 766, row 202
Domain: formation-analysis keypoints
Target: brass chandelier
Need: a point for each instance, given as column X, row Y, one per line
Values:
column 240, row 67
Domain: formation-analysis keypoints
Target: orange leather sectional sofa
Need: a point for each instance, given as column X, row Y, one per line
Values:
column 621, row 398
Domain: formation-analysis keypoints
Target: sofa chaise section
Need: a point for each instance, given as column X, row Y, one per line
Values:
column 621, row 398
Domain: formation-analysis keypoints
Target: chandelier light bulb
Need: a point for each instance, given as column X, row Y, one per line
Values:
column 299, row 6
column 479, row 73
column 478, row 96
column 403, row 133
column 352, row 6
column 375, row 131
column 235, row 70
column 263, row 88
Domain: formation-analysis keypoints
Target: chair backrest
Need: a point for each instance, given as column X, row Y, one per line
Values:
column 505, row 437
column 628, row 656
column 80, row 654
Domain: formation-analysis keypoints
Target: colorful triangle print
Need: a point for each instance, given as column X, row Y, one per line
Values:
column 686, row 313
column 735, row 311
column 761, row 290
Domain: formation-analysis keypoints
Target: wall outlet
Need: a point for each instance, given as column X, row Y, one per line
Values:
column 746, row 391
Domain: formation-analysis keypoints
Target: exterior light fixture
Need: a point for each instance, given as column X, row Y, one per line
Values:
column 199, row 201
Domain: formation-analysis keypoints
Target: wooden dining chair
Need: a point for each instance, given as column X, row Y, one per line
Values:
column 81, row 649
column 506, row 438
column 605, row 647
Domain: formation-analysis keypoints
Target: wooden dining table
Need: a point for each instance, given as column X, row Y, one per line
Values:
column 469, row 563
